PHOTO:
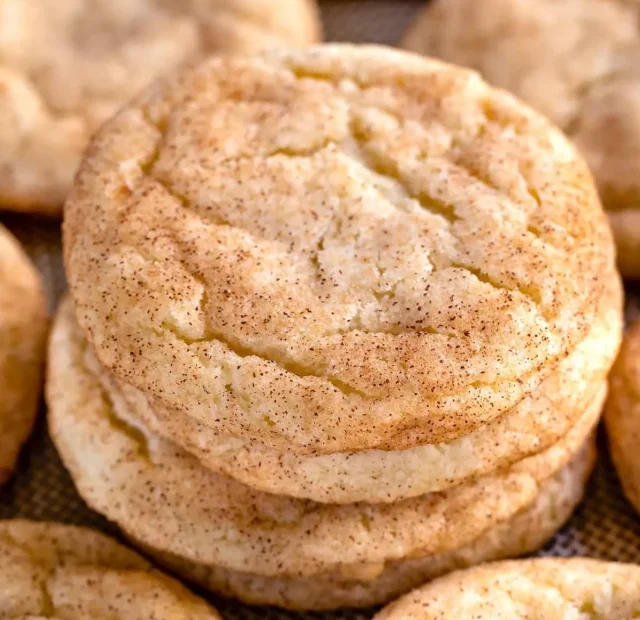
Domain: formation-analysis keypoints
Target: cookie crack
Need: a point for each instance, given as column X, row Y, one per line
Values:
column 116, row 421
column 242, row 351
column 210, row 335
column 586, row 606
column 359, row 153
column 47, row 605
column 355, row 149
column 448, row 213
column 288, row 364
column 372, row 163
column 315, row 259
column 128, row 429
column 530, row 292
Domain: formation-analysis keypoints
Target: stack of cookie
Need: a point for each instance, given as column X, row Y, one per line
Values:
column 341, row 322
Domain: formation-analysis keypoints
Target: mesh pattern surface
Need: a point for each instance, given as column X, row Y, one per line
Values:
column 604, row 526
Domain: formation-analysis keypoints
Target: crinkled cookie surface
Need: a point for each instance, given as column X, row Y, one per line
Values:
column 61, row 572
column 542, row 589
column 334, row 249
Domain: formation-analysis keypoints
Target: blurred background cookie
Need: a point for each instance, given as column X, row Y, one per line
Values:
column 622, row 415
column 577, row 61
column 23, row 327
column 67, row 65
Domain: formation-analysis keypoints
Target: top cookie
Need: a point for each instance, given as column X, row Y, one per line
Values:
column 51, row 570
column 67, row 65
column 576, row 61
column 544, row 589
column 334, row 249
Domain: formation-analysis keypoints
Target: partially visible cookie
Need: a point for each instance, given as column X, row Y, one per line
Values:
column 544, row 589
column 622, row 415
column 23, row 326
column 525, row 532
column 67, row 65
column 574, row 60
column 51, row 570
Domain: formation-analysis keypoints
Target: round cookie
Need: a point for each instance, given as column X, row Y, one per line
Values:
column 23, row 327
column 534, row 424
column 334, row 249
column 67, row 65
column 51, row 570
column 544, row 589
column 622, row 414
column 574, row 60
column 137, row 480
column 523, row 533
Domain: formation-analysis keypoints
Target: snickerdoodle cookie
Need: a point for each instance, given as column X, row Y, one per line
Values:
column 335, row 249
column 576, row 61
column 23, row 326
column 622, row 415
column 526, row 531
column 542, row 589
column 50, row 570
column 67, row 65
column 232, row 538
column 540, row 419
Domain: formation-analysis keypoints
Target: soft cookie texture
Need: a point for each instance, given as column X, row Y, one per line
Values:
column 334, row 249
column 67, row 65
column 534, row 424
column 50, row 570
column 576, row 61
column 230, row 537
column 542, row 589
column 622, row 415
column 523, row 533
column 23, row 327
